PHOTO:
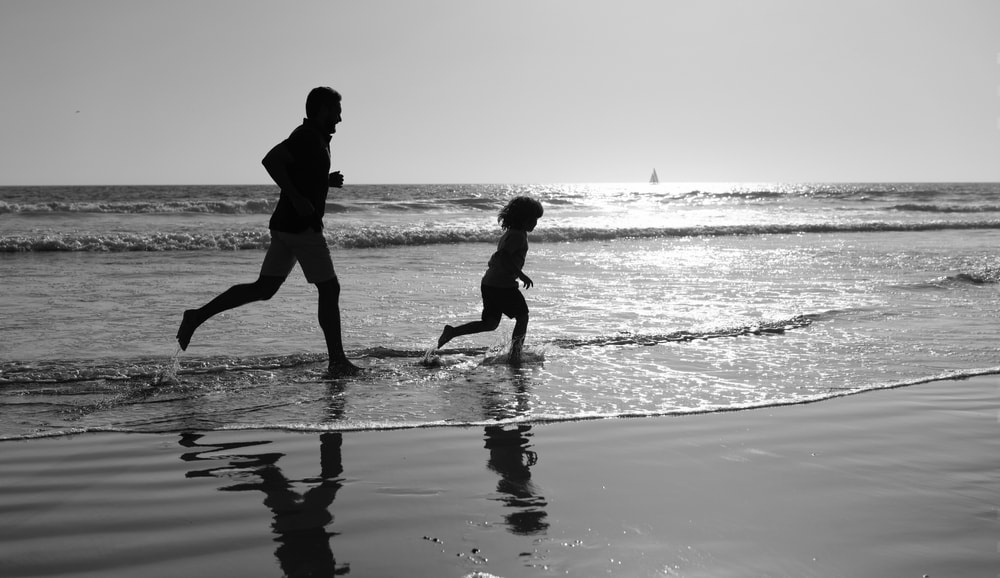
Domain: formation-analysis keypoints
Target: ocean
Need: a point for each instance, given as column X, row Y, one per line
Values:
column 649, row 300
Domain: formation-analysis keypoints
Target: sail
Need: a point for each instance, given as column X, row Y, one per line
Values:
column 653, row 179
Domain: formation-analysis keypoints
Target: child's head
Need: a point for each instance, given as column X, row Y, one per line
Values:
column 520, row 213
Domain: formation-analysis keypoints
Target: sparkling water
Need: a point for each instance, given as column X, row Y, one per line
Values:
column 648, row 300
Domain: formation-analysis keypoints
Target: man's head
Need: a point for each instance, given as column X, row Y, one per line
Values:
column 323, row 107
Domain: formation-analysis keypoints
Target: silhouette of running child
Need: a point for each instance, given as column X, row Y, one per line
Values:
column 300, row 166
column 501, row 295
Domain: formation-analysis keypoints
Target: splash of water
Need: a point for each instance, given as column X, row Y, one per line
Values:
column 431, row 358
column 169, row 374
column 501, row 354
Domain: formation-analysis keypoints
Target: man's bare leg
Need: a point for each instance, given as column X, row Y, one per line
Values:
column 329, row 321
column 260, row 290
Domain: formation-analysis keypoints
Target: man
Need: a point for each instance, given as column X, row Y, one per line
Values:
column 300, row 167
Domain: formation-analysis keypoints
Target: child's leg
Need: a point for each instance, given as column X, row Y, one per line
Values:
column 486, row 324
column 517, row 338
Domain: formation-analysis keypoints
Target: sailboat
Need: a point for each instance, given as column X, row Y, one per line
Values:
column 653, row 179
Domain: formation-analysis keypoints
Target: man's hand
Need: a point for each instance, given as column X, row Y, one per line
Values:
column 526, row 280
column 336, row 180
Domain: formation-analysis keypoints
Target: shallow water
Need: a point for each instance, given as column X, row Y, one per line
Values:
column 634, row 312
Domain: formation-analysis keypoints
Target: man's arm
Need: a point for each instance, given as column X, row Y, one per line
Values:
column 276, row 163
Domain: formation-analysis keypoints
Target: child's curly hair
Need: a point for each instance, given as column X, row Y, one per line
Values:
column 518, row 212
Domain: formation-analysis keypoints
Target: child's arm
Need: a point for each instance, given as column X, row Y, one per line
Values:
column 514, row 254
column 512, row 262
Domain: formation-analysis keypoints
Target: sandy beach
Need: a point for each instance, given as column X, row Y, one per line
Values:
column 901, row 482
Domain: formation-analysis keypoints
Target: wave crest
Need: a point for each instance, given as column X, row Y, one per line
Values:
column 389, row 236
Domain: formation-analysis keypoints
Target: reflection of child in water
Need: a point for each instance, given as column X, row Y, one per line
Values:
column 501, row 295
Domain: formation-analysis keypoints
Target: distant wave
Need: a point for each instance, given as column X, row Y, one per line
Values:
column 261, row 199
column 930, row 208
column 125, row 242
column 255, row 206
column 230, row 207
column 256, row 238
column 863, row 192
column 388, row 236
column 747, row 194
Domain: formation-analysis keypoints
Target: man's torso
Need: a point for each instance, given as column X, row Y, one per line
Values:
column 309, row 171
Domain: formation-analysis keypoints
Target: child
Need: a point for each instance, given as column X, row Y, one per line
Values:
column 499, row 287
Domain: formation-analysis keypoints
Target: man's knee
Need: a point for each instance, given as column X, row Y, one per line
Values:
column 329, row 288
column 266, row 286
column 491, row 323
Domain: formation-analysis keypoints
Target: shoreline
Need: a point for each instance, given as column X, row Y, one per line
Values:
column 894, row 482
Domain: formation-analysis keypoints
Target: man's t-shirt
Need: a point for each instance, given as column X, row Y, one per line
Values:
column 309, row 171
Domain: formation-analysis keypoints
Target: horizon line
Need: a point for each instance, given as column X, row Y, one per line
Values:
column 521, row 183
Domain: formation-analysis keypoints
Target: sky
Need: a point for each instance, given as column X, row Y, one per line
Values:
column 521, row 91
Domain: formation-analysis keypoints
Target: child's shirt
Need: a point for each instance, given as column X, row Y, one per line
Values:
column 508, row 260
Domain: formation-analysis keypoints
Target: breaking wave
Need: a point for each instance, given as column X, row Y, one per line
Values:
column 390, row 236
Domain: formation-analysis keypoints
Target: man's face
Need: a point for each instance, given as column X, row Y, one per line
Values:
column 330, row 117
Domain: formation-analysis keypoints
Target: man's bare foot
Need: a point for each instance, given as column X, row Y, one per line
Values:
column 446, row 335
column 342, row 368
column 188, row 324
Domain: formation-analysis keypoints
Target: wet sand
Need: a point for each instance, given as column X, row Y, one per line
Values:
column 903, row 482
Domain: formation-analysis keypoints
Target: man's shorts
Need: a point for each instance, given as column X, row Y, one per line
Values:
column 499, row 301
column 308, row 248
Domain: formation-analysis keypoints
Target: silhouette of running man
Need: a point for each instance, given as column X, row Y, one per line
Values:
column 300, row 166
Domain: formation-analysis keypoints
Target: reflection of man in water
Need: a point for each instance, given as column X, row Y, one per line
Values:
column 300, row 520
column 511, row 458
column 300, row 166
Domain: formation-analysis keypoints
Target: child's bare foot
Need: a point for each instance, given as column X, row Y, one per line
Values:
column 446, row 335
column 342, row 368
column 188, row 324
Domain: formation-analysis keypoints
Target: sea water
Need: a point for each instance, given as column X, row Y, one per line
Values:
column 648, row 300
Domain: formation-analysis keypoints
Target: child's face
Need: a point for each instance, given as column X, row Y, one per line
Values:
column 529, row 225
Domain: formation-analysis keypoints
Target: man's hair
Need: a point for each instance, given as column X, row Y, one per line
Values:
column 518, row 212
column 319, row 97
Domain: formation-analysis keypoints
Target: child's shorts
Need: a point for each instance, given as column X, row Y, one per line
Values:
column 308, row 249
column 499, row 301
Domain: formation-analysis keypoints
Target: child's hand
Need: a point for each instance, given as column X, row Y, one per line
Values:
column 527, row 281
